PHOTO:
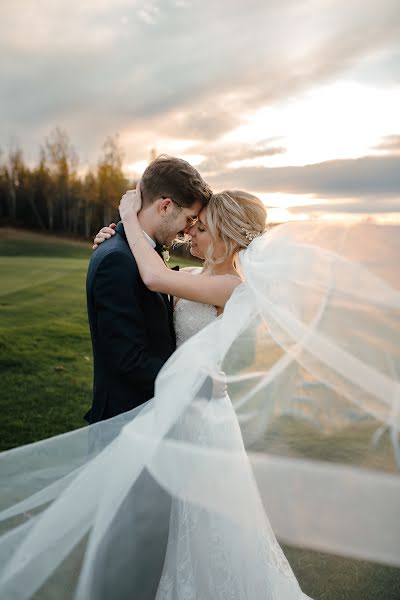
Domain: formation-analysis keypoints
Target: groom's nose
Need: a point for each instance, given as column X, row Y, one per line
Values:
column 187, row 229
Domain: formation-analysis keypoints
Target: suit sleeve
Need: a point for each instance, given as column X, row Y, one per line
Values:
column 121, row 321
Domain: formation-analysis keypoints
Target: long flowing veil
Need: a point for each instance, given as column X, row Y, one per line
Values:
column 309, row 347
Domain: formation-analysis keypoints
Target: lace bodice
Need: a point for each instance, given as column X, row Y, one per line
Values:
column 191, row 317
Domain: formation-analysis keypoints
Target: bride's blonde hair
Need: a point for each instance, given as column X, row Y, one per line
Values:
column 236, row 218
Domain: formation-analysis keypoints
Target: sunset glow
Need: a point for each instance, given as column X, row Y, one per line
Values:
column 300, row 106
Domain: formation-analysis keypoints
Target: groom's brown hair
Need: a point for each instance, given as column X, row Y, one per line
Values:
column 171, row 177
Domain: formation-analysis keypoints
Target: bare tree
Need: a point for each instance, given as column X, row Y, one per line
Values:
column 52, row 195
column 90, row 188
column 63, row 162
column 111, row 180
column 14, row 174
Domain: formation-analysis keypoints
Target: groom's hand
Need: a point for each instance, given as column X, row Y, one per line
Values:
column 104, row 234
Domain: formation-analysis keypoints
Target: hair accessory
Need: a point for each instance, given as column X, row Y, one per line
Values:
column 249, row 234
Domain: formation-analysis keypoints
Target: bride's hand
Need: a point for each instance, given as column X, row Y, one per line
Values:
column 131, row 202
column 104, row 234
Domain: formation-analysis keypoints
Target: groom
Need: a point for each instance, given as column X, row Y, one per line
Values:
column 131, row 327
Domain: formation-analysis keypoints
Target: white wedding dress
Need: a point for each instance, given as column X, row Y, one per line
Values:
column 207, row 556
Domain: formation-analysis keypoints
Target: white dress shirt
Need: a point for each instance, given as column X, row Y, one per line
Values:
column 150, row 240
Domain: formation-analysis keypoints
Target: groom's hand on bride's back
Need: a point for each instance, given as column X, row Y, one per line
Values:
column 104, row 234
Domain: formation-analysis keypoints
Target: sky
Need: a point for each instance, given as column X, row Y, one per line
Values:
column 296, row 101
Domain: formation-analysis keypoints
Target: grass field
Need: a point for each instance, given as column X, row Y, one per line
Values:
column 46, row 375
column 45, row 348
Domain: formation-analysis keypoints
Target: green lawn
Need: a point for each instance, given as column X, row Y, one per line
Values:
column 45, row 349
column 46, row 375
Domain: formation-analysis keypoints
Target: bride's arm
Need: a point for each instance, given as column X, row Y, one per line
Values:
column 207, row 289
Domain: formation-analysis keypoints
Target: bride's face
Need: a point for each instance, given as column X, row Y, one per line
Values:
column 201, row 238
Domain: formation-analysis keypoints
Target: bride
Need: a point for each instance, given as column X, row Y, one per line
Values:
column 204, row 557
column 309, row 345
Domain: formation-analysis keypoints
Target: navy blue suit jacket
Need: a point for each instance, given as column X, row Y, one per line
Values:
column 131, row 328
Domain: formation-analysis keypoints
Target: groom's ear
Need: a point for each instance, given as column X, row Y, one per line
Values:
column 164, row 205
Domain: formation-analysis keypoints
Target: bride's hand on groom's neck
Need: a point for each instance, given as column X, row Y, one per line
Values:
column 131, row 203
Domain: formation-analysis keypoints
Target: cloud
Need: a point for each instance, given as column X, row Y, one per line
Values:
column 207, row 123
column 370, row 180
column 367, row 206
column 192, row 70
column 223, row 156
column 149, row 13
column 390, row 143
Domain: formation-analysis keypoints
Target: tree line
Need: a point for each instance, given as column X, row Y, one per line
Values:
column 52, row 196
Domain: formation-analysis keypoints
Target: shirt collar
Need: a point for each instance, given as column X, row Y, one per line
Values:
column 150, row 240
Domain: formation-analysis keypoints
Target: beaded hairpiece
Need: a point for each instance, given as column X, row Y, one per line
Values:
column 250, row 234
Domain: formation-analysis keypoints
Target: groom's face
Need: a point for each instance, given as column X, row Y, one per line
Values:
column 176, row 221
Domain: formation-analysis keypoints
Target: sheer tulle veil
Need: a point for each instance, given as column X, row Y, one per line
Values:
column 309, row 348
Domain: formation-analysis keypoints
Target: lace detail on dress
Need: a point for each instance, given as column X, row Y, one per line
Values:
column 190, row 317
column 208, row 556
